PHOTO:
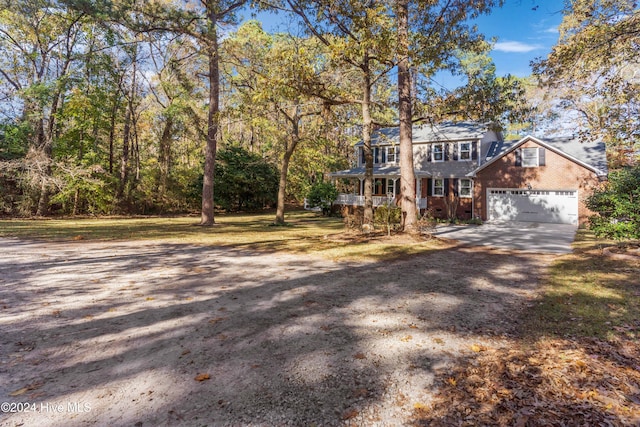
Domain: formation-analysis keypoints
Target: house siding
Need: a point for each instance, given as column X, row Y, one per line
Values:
column 558, row 173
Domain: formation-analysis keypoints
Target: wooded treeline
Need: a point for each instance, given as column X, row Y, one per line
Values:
column 99, row 116
column 140, row 107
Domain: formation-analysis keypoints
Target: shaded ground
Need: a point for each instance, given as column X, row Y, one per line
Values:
column 113, row 333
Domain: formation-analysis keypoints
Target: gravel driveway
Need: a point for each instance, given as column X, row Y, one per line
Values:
column 147, row 334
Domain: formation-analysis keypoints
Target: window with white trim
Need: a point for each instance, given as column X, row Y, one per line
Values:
column 378, row 186
column 438, row 152
column 530, row 157
column 438, row 187
column 393, row 154
column 464, row 151
column 391, row 187
column 377, row 154
column 465, row 186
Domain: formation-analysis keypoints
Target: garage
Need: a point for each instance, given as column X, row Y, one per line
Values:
column 517, row 204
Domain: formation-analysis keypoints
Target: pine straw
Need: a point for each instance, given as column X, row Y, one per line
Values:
column 549, row 383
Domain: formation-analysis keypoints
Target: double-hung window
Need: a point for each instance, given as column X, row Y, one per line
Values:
column 438, row 187
column 464, row 151
column 392, row 154
column 530, row 157
column 465, row 187
column 438, row 152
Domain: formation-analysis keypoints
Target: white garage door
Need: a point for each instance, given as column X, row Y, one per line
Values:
column 516, row 204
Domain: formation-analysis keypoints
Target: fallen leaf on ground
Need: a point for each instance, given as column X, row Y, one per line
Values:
column 23, row 390
column 477, row 348
column 19, row 392
column 349, row 414
column 202, row 377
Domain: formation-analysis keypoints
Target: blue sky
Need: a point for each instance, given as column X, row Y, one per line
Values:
column 525, row 30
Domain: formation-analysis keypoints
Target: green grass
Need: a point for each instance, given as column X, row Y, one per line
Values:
column 305, row 232
column 589, row 294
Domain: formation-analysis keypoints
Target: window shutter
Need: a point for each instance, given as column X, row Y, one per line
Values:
column 362, row 160
column 429, row 187
column 541, row 157
column 445, row 182
column 445, row 148
column 474, row 151
column 397, row 186
column 429, row 152
column 455, row 151
column 518, row 157
column 384, row 154
column 455, row 187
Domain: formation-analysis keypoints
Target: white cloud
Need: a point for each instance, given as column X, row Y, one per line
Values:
column 516, row 47
column 551, row 30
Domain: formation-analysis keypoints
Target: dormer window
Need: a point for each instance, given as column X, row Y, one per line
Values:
column 438, row 152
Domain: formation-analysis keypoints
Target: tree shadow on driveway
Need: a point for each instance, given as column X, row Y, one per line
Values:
column 165, row 334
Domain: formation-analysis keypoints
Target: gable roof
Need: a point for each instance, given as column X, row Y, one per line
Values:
column 591, row 155
column 446, row 131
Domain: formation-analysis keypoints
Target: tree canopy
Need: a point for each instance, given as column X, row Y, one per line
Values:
column 595, row 70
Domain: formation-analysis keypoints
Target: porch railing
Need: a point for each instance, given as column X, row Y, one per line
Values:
column 357, row 200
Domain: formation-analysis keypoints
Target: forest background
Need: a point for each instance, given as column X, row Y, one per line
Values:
column 125, row 107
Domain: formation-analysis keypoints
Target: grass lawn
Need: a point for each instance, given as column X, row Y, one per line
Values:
column 589, row 294
column 574, row 362
column 305, row 232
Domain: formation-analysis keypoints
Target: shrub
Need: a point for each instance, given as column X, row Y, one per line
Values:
column 388, row 215
column 322, row 195
column 617, row 205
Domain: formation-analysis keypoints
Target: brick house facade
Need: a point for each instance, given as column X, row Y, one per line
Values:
column 466, row 170
column 555, row 170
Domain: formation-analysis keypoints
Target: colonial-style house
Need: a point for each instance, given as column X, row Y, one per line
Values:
column 466, row 170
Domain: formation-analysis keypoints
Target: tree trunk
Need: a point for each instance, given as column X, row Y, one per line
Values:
column 282, row 186
column 112, row 131
column 407, row 174
column 367, row 220
column 126, row 141
column 124, row 158
column 207, row 218
column 43, row 157
column 45, row 138
column 165, row 155
column 284, row 169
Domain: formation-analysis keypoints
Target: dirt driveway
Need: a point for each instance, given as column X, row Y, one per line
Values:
column 144, row 334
